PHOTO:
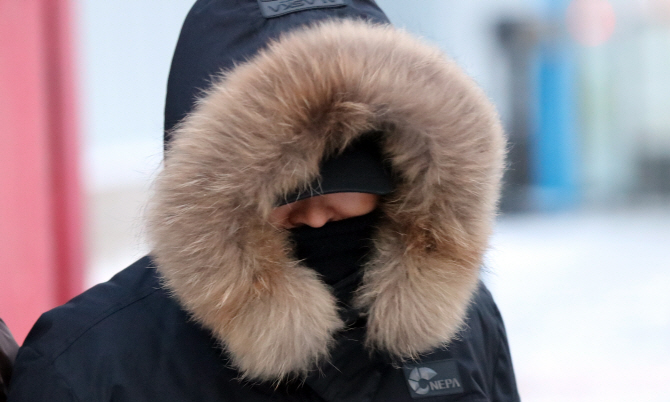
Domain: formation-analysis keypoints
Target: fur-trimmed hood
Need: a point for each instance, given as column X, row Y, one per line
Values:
column 260, row 132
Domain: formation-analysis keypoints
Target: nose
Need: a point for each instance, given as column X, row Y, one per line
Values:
column 312, row 214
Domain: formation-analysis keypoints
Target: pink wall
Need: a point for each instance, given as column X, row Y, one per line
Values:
column 41, row 254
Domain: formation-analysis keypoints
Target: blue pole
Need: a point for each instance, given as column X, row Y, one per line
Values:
column 554, row 150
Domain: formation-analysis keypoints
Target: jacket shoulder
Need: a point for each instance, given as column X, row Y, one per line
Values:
column 56, row 330
column 125, row 339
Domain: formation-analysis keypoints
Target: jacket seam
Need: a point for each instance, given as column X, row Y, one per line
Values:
column 102, row 317
column 500, row 329
column 497, row 361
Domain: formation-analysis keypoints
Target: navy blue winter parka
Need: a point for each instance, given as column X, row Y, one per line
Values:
column 128, row 340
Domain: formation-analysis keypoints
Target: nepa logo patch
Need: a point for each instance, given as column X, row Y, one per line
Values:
column 275, row 8
column 433, row 379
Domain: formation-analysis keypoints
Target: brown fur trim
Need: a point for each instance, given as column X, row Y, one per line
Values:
column 260, row 133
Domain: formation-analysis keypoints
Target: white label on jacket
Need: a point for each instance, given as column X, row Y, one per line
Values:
column 275, row 8
column 433, row 379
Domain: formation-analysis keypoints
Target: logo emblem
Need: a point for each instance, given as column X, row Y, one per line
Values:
column 276, row 8
column 436, row 378
column 420, row 373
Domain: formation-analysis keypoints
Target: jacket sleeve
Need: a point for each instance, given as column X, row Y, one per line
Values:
column 36, row 379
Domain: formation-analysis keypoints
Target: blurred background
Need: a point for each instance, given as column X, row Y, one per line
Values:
column 579, row 262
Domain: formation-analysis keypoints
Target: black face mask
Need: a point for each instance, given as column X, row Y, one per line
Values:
column 337, row 251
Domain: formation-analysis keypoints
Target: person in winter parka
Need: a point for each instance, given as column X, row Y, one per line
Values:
column 321, row 106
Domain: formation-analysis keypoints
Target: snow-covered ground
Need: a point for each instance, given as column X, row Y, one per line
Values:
column 586, row 301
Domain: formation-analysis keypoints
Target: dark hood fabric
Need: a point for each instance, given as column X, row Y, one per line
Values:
column 217, row 34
